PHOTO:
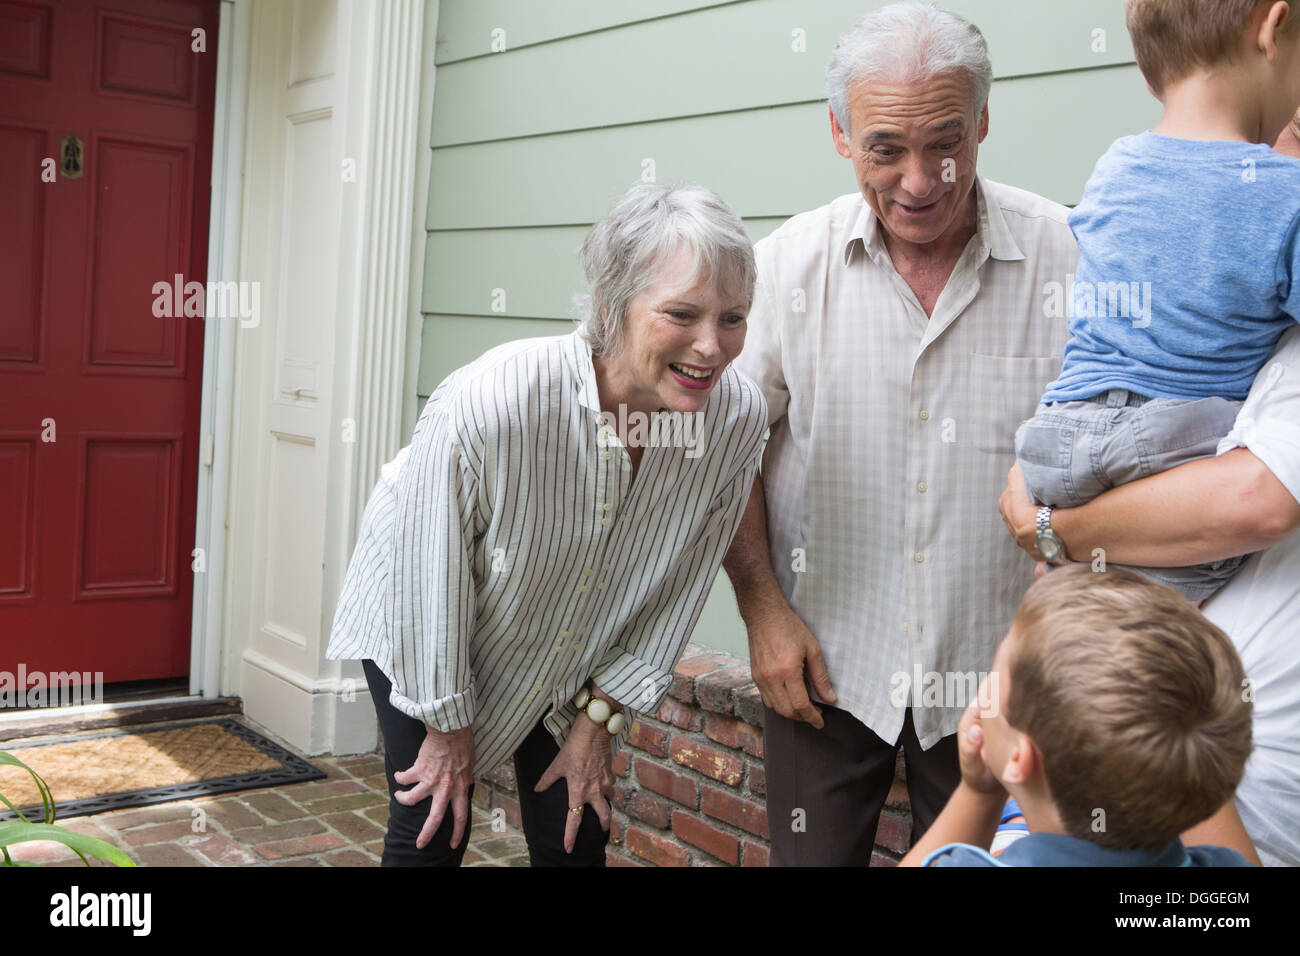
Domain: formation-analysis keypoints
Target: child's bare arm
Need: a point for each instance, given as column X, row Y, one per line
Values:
column 973, row 811
column 969, row 817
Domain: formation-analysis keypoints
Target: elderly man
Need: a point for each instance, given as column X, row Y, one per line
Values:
column 899, row 336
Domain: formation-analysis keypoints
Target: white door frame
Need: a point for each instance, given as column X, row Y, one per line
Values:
column 374, row 371
column 219, row 350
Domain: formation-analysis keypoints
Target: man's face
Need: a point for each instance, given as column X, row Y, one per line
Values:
column 913, row 149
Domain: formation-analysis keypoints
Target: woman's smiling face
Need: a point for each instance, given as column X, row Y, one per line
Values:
column 680, row 333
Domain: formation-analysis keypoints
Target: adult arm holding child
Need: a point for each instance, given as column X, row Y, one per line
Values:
column 1182, row 516
column 1247, row 499
column 1178, row 517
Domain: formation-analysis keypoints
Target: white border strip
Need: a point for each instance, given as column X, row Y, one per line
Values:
column 224, row 227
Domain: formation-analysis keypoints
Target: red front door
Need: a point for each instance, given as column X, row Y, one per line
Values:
column 105, row 162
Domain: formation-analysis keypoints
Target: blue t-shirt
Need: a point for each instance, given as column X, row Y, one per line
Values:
column 1189, row 269
column 1055, row 849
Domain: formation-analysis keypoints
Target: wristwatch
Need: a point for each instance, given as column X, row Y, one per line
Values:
column 1049, row 543
column 599, row 711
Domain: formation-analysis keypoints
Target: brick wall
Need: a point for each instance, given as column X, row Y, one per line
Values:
column 691, row 783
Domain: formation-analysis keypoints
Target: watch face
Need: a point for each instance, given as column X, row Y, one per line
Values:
column 1048, row 547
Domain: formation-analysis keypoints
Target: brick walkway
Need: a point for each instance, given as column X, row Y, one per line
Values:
column 338, row 821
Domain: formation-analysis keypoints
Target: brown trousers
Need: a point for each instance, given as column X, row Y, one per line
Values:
column 826, row 788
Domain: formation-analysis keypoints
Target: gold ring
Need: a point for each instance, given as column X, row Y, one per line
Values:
column 575, row 809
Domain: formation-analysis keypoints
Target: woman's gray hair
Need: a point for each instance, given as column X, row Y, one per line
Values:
column 623, row 253
column 904, row 43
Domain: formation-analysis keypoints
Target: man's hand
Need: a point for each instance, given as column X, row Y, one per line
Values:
column 444, row 768
column 780, row 646
column 975, row 771
column 585, row 763
column 1019, row 514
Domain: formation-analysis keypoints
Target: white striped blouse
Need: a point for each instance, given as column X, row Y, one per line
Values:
column 506, row 555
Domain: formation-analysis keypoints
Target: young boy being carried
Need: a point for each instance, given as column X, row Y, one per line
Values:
column 1115, row 715
column 1189, row 265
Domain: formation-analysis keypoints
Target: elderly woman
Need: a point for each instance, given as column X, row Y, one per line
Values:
column 529, row 569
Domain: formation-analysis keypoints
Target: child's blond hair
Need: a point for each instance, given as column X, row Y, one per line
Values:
column 1173, row 37
column 1138, row 704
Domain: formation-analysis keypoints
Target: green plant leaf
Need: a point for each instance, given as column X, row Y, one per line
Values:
column 16, row 831
column 47, row 799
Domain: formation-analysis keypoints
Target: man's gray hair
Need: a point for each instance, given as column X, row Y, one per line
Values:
column 623, row 253
column 904, row 43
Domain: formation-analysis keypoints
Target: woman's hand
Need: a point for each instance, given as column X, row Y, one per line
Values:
column 1019, row 513
column 444, row 768
column 585, row 763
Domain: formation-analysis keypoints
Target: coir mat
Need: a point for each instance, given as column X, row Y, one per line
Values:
column 135, row 768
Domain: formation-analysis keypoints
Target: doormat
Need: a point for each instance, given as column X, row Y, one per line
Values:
column 138, row 768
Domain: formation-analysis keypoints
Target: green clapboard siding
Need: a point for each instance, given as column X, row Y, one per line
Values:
column 533, row 144
column 524, row 273
column 727, row 58
column 1045, row 133
column 468, row 28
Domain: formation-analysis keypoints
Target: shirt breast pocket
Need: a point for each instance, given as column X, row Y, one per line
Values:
column 1007, row 391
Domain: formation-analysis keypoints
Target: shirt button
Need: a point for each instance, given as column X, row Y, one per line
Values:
column 582, row 588
column 922, row 487
column 606, row 506
column 904, row 627
column 604, row 567
column 925, row 415
column 604, row 456
column 588, row 572
column 537, row 686
column 600, row 585
column 919, row 558
column 604, row 522
column 564, row 635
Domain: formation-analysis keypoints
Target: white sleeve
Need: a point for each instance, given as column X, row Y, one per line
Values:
column 431, row 591
column 760, row 359
column 1269, row 421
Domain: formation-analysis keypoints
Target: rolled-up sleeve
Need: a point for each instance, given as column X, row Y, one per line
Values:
column 431, row 591
column 637, row 670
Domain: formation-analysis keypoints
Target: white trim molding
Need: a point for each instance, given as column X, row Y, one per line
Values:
column 389, row 236
column 206, row 628
column 332, row 100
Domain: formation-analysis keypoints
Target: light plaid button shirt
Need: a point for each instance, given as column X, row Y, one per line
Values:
column 891, row 439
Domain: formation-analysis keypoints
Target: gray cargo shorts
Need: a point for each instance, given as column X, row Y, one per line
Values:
column 1071, row 452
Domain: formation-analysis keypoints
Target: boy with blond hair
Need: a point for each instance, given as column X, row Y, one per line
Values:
column 1115, row 714
column 1189, row 264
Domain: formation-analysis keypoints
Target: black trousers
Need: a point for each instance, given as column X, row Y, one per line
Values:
column 544, row 814
column 826, row 788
